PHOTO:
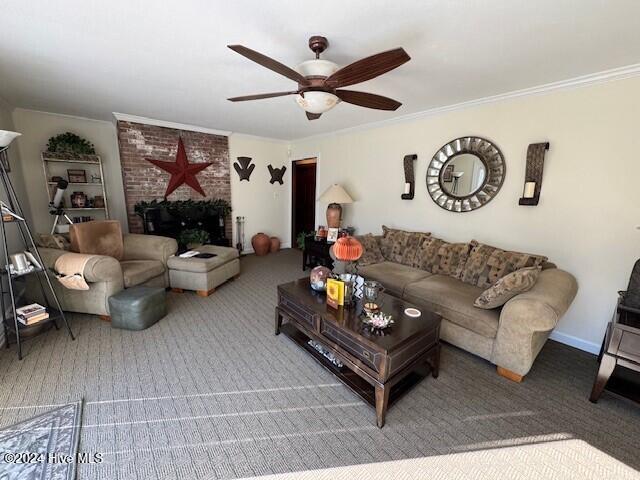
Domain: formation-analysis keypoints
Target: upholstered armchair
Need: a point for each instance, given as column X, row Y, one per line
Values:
column 143, row 261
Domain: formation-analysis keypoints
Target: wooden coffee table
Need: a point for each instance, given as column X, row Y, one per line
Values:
column 377, row 367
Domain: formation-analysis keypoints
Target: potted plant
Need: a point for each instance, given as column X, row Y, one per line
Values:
column 193, row 238
column 70, row 143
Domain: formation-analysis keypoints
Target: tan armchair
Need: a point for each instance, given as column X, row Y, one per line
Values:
column 144, row 262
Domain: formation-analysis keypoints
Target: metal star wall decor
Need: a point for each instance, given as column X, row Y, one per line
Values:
column 181, row 171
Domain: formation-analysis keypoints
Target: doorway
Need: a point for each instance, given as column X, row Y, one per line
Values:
column 303, row 197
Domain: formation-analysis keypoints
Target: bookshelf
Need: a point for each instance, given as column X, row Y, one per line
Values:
column 58, row 165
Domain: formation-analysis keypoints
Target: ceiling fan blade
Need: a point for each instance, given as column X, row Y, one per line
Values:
column 260, row 96
column 313, row 116
column 369, row 100
column 269, row 63
column 368, row 68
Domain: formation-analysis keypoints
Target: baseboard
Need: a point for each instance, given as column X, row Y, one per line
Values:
column 249, row 251
column 575, row 342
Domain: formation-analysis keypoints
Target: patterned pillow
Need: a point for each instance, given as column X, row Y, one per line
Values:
column 400, row 246
column 372, row 253
column 57, row 241
column 440, row 257
column 412, row 247
column 486, row 264
column 508, row 287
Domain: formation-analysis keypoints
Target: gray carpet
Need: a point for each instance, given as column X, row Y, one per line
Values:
column 210, row 392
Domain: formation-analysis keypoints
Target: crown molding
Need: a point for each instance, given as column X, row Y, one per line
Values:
column 259, row 138
column 64, row 115
column 125, row 117
column 604, row 76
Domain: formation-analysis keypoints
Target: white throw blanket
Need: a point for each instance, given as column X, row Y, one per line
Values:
column 70, row 270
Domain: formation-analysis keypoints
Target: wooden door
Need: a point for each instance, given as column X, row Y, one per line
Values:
column 303, row 201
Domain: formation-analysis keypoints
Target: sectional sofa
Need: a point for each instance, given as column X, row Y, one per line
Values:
column 448, row 278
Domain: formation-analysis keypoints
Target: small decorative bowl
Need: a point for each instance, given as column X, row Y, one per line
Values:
column 370, row 307
column 378, row 320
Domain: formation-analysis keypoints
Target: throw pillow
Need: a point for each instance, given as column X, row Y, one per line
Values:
column 102, row 237
column 508, row 287
column 400, row 246
column 486, row 264
column 372, row 253
column 440, row 257
column 56, row 241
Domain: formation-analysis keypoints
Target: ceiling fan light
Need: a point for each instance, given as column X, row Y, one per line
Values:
column 317, row 102
column 317, row 68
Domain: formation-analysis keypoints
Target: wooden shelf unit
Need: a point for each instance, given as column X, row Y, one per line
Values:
column 59, row 159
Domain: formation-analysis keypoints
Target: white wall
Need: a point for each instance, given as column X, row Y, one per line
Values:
column 264, row 205
column 16, row 175
column 590, row 205
column 36, row 128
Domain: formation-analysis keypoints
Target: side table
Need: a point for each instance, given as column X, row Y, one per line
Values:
column 316, row 252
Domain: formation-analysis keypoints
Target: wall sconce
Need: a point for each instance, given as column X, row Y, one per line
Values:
column 533, row 174
column 409, row 177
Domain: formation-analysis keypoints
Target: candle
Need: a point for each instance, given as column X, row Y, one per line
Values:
column 407, row 188
column 529, row 189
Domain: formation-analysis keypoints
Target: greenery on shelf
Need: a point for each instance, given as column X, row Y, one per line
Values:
column 301, row 236
column 70, row 143
column 192, row 237
column 185, row 208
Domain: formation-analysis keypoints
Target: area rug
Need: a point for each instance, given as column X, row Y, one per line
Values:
column 43, row 447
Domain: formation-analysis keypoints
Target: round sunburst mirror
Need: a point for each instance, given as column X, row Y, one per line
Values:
column 465, row 174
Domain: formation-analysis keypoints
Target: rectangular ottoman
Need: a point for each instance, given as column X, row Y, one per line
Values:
column 137, row 308
column 204, row 274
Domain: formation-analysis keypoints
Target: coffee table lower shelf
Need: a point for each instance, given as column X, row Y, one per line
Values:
column 354, row 382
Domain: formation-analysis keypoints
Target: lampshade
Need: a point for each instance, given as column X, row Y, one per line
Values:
column 317, row 102
column 6, row 137
column 335, row 194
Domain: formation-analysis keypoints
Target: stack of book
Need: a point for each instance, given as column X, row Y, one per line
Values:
column 30, row 314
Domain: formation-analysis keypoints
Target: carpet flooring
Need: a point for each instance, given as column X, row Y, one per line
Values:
column 209, row 392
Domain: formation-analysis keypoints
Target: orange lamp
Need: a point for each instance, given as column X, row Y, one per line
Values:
column 347, row 249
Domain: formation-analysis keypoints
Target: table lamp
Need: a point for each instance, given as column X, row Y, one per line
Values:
column 335, row 195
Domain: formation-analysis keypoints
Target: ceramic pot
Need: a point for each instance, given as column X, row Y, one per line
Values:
column 261, row 244
column 334, row 215
column 275, row 244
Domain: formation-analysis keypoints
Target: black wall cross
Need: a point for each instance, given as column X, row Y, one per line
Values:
column 277, row 174
column 243, row 168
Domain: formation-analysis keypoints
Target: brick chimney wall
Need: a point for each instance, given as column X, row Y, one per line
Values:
column 144, row 181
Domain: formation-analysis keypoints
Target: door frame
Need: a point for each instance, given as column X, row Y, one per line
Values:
column 300, row 161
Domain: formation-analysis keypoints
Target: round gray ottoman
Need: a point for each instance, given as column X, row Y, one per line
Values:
column 137, row 308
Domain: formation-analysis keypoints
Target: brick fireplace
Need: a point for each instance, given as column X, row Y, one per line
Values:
column 145, row 182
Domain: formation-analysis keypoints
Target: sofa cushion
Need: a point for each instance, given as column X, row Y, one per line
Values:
column 400, row 246
column 508, row 287
column 371, row 250
column 136, row 272
column 102, row 237
column 454, row 299
column 440, row 257
column 486, row 264
column 394, row 276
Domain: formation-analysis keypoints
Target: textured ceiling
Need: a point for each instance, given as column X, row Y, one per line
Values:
column 169, row 61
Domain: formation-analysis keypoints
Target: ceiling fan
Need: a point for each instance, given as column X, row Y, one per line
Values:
column 320, row 81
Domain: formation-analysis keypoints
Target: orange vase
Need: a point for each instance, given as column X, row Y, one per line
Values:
column 261, row 244
column 274, row 244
